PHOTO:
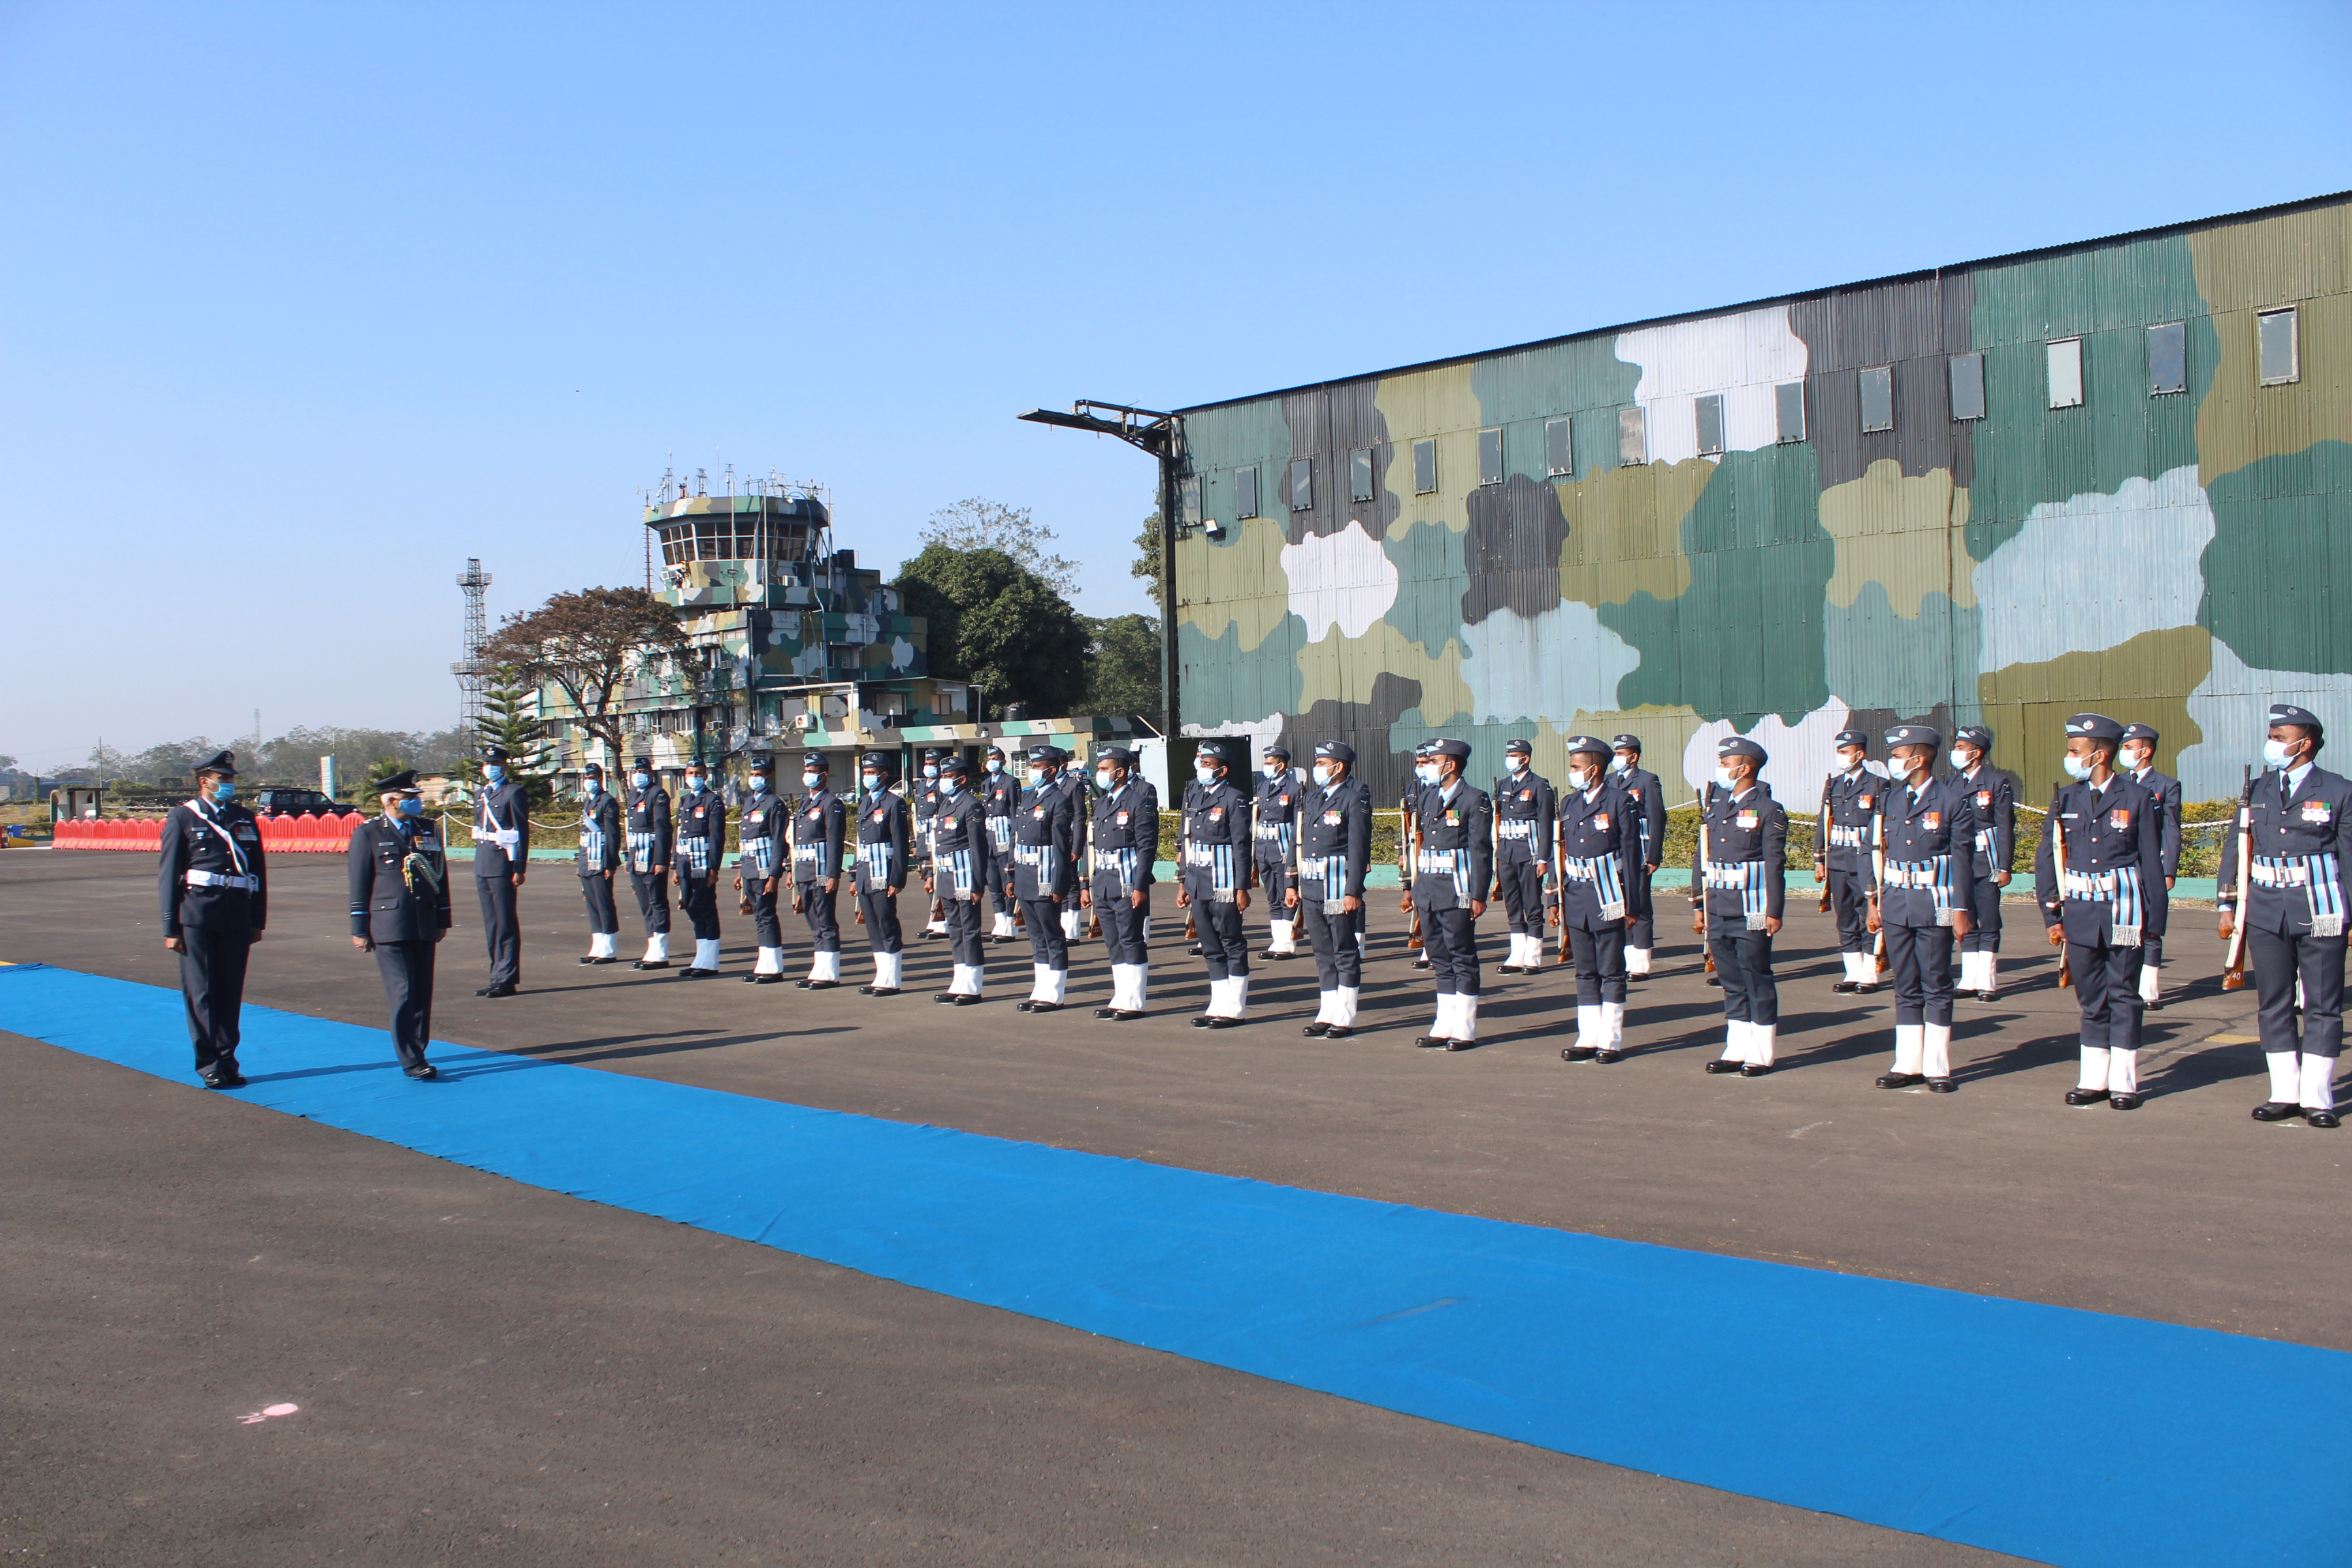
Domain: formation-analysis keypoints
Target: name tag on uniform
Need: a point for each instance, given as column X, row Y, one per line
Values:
column 2314, row 811
column 1931, row 819
column 1747, row 819
column 2120, row 819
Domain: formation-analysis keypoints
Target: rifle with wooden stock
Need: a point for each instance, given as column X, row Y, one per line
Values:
column 2058, row 874
column 1409, row 856
column 1698, row 912
column 2233, row 966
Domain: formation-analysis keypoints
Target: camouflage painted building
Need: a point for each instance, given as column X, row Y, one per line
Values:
column 2114, row 475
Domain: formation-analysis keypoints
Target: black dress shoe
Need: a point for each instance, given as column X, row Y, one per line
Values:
column 2277, row 1110
column 1106, row 1012
column 1314, row 1030
column 494, row 992
column 1942, row 1086
column 484, row 991
column 1509, row 969
column 1461, row 1045
column 1605, row 1057
column 2153, row 1006
column 423, row 1072
column 1121, row 1015
column 1580, row 1053
column 1723, row 1064
column 593, row 959
column 878, row 991
column 1716, row 981
column 1901, row 1080
column 1843, row 987
column 929, row 935
column 1755, row 1069
column 1432, row 1042
column 1213, row 1021
column 650, row 963
column 1419, row 963
column 763, row 980
column 2311, row 1118
column 1193, row 951
column 690, row 973
column 222, row 1078
column 1867, row 987
column 1001, row 941
column 1338, row 1031
column 2123, row 1103
column 948, row 998
column 2086, row 1096
column 1046, row 1006
column 820, row 985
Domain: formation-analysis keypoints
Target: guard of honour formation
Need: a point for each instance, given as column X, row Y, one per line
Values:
column 1911, row 863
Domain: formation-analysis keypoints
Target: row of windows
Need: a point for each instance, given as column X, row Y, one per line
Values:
column 2277, row 338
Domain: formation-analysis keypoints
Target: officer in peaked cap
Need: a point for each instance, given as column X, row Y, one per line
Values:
column 925, row 792
column 2100, row 898
column 962, row 871
column 2138, row 758
column 599, row 858
column 700, row 845
column 1926, row 829
column 1993, row 802
column 649, row 857
column 1452, row 868
column 1526, row 808
column 215, row 892
column 820, row 829
column 1122, row 843
column 1844, row 835
column 1646, row 795
column 763, row 830
column 501, row 857
column 1276, row 795
column 999, row 792
column 2290, row 895
column 1216, row 873
column 1739, row 888
column 1332, row 856
column 399, row 874
column 1045, row 847
column 1598, row 848
column 886, row 852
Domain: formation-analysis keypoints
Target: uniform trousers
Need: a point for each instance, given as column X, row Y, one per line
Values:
column 1273, row 881
column 1000, row 899
column 1642, row 925
column 698, row 897
column 2106, row 987
column 653, row 899
column 2318, row 962
column 603, row 920
column 212, row 984
column 823, row 912
column 881, row 909
column 1921, row 957
column 1048, row 945
column 1984, row 915
column 1122, row 925
column 1743, row 961
column 1515, row 872
column 1218, row 922
column 406, row 968
column 501, row 927
column 1850, row 906
column 963, row 932
column 1599, row 958
column 1331, row 935
column 1449, row 940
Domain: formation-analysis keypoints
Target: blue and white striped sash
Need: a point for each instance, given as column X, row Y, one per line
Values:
column 1746, row 877
column 962, row 872
column 1933, row 874
column 2120, row 889
column 1453, row 864
column 2320, row 878
column 879, row 861
column 1607, row 878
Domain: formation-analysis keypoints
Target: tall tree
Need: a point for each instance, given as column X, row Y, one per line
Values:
column 510, row 720
column 585, row 645
column 993, row 621
column 1123, row 666
column 977, row 524
column 1149, row 560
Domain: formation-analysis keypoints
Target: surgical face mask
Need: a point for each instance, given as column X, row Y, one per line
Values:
column 1035, row 777
column 1274, row 770
column 996, row 764
column 224, row 791
column 930, row 769
column 592, row 788
column 872, row 781
column 1962, row 760
column 2133, row 759
column 1619, row 765
column 1850, row 760
column 2077, row 767
column 1426, row 772
column 411, row 806
column 1518, row 765
column 1579, row 778
column 693, row 785
column 759, row 783
column 495, row 773
column 1323, row 777
column 1905, row 766
column 949, row 786
column 812, row 779
column 1727, row 778
column 1206, row 775
column 2274, row 754
column 1105, row 779
column 642, row 781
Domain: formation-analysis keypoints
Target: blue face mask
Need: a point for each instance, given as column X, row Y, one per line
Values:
column 930, row 772
column 873, row 782
column 413, row 806
column 2078, row 767
column 592, row 788
column 224, row 791
column 642, row 781
column 1206, row 775
column 494, row 773
column 759, row 783
column 996, row 764
column 694, row 787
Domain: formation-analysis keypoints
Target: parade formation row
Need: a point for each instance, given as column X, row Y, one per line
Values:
column 1913, row 863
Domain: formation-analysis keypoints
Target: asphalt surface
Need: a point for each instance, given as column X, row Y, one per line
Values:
column 492, row 1371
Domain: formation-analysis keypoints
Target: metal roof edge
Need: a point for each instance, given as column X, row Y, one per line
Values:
column 2161, row 231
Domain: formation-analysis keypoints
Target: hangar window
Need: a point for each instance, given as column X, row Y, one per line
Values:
column 2282, row 359
column 1359, row 474
column 1559, row 447
column 2167, row 358
column 1490, row 457
column 1188, row 500
column 1878, row 397
column 1244, row 492
column 1424, row 468
column 2066, row 373
column 1789, row 404
column 1302, row 484
column 1632, row 437
column 1966, row 376
column 1709, row 410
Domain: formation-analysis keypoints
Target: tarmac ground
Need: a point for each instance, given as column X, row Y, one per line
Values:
column 492, row 1371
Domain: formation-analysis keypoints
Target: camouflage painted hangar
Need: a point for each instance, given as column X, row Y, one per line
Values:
column 2113, row 475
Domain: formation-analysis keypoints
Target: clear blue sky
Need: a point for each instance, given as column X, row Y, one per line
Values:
column 305, row 304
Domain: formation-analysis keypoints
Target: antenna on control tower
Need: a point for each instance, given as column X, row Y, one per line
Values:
column 471, row 676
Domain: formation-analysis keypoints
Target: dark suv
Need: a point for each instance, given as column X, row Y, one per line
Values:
column 280, row 801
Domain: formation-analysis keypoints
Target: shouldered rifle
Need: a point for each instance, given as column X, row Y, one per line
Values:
column 1559, row 878
column 1821, row 850
column 1408, row 856
column 2058, row 873
column 1699, row 914
column 2233, row 967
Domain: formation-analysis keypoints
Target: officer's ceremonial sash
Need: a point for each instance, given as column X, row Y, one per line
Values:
column 2319, row 877
column 1747, row 877
column 1934, row 874
column 2120, row 889
column 1606, row 879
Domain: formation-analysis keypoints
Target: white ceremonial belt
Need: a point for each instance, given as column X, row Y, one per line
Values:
column 2295, row 876
column 1912, row 873
column 2099, row 886
column 1437, row 863
column 1271, row 830
column 1728, row 873
column 220, row 879
column 1516, row 827
column 1844, row 837
column 1314, row 865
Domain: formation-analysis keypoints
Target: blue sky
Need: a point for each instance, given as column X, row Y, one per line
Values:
column 305, row 304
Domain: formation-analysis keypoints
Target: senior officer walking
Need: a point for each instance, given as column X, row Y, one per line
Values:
column 760, row 858
column 1597, row 847
column 2101, row 902
column 215, row 892
column 599, row 858
column 2138, row 758
column 1739, row 886
column 501, row 857
column 1526, row 822
column 1327, row 885
column 1648, row 796
column 1993, row 802
column 1277, row 804
column 1843, row 838
column 2297, row 818
column 1926, row 835
column 1122, row 843
column 1453, row 867
column 700, row 845
column 649, row 858
column 820, row 827
column 962, row 870
column 1217, row 879
column 1045, row 850
column 886, row 849
column 400, row 911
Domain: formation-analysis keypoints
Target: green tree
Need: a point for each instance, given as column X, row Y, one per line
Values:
column 977, row 524
column 510, row 718
column 1123, row 666
column 379, row 770
column 1148, row 561
column 994, row 622
column 585, row 644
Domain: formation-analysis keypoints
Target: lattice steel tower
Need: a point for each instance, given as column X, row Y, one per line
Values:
column 471, row 676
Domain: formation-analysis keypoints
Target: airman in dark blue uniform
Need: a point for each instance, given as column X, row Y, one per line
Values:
column 601, row 843
column 1334, row 852
column 1217, row 870
column 1452, row 868
column 820, row 829
column 1598, row 848
column 1922, row 888
column 501, row 858
column 2296, row 818
column 962, row 871
column 1647, row 794
column 1045, row 850
column 1738, row 889
column 1278, row 805
column 1122, row 842
column 1000, row 793
column 215, row 892
column 400, row 911
column 885, row 853
column 2138, row 758
column 764, row 832
column 2101, row 902
column 699, row 842
column 1992, row 801
column 649, row 859
column 1843, row 838
column 924, row 795
column 1526, row 822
